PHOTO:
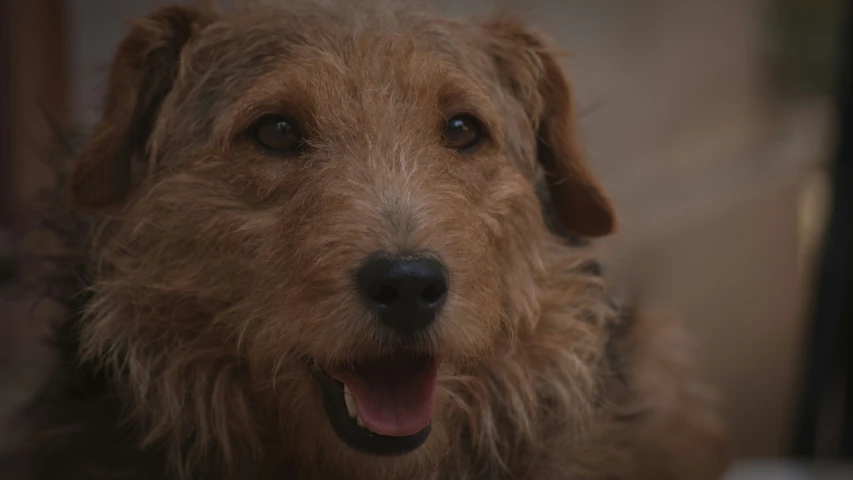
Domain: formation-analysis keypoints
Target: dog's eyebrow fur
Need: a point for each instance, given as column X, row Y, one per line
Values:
column 459, row 95
column 277, row 94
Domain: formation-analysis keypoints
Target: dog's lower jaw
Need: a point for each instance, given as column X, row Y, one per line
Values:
column 333, row 459
column 352, row 432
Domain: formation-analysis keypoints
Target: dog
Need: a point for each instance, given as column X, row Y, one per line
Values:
column 348, row 240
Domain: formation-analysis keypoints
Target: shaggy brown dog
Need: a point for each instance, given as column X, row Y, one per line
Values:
column 339, row 262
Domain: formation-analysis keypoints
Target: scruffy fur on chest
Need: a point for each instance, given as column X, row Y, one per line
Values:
column 287, row 147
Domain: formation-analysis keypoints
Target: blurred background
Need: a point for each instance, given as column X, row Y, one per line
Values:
column 713, row 124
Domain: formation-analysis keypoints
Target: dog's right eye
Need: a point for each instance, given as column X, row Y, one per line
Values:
column 279, row 135
column 463, row 133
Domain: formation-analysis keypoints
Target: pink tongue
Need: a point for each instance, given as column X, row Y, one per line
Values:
column 395, row 397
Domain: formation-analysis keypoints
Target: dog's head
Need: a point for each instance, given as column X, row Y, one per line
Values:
column 337, row 209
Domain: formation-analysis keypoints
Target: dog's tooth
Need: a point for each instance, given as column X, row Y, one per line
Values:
column 350, row 401
column 359, row 422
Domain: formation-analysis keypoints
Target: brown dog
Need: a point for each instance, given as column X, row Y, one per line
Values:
column 340, row 262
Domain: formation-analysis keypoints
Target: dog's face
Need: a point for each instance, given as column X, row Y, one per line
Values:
column 339, row 201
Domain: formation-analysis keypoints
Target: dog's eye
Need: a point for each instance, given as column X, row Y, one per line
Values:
column 463, row 133
column 279, row 135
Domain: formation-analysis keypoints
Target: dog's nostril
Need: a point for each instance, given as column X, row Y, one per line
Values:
column 405, row 292
column 386, row 295
column 433, row 293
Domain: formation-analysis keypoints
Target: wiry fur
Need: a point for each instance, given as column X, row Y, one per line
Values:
column 221, row 268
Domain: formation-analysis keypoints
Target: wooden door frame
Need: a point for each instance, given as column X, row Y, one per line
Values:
column 34, row 84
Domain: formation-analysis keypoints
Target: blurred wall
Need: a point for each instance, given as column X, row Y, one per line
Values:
column 706, row 169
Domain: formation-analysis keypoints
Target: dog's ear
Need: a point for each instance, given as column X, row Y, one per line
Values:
column 529, row 70
column 142, row 74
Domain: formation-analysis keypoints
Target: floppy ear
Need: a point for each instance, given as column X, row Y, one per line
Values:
column 142, row 74
column 529, row 70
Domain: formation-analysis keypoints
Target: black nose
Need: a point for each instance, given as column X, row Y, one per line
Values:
column 407, row 292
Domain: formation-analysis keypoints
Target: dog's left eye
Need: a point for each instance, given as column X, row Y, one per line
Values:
column 279, row 135
column 462, row 133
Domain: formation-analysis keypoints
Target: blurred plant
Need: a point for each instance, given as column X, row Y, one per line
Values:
column 804, row 45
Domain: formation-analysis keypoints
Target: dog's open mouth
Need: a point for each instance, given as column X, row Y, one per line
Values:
column 381, row 406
